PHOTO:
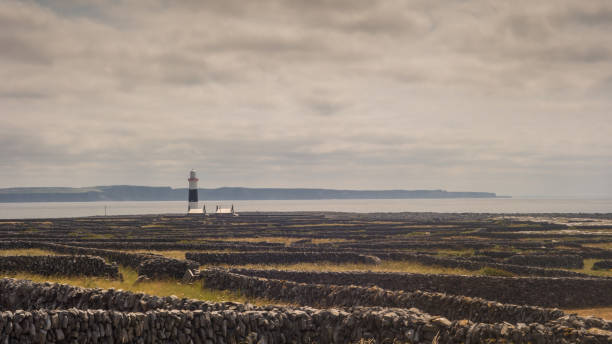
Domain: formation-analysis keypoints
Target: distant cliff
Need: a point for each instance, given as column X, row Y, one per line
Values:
column 150, row 193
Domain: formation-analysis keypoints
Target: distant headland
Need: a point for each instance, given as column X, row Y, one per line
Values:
column 151, row 193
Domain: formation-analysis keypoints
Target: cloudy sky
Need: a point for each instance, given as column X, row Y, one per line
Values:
column 512, row 97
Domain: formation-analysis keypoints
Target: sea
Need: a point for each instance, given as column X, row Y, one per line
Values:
column 454, row 205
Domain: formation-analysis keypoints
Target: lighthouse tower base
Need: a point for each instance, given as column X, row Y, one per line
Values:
column 196, row 211
column 192, row 207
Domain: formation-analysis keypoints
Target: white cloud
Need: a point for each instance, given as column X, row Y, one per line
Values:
column 464, row 95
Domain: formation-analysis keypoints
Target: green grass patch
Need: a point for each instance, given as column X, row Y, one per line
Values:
column 487, row 271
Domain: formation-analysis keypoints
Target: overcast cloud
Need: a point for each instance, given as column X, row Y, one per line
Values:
column 512, row 97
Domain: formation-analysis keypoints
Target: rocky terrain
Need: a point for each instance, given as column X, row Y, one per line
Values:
column 319, row 278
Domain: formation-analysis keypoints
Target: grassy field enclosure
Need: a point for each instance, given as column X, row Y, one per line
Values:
column 385, row 266
column 165, row 287
column 600, row 312
column 463, row 264
column 26, row 252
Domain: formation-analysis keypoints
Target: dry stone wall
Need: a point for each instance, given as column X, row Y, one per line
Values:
column 547, row 261
column 109, row 316
column 280, row 258
column 123, row 258
column 449, row 306
column 374, row 258
column 562, row 292
column 151, row 265
column 317, row 326
column 26, row 295
column 494, row 254
column 601, row 254
column 476, row 265
column 162, row 267
column 59, row 265
column 602, row 265
column 152, row 245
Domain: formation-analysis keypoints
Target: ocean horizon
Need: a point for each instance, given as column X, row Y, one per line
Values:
column 455, row 205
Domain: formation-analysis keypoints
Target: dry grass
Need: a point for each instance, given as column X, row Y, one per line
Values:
column 499, row 248
column 488, row 271
column 154, row 226
column 385, row 266
column 278, row 240
column 468, row 252
column 600, row 312
column 88, row 235
column 410, row 235
column 27, row 252
column 607, row 245
column 324, row 224
column 329, row 241
column 156, row 287
column 178, row 254
column 428, row 226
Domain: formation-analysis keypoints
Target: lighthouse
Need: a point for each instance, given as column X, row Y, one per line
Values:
column 192, row 207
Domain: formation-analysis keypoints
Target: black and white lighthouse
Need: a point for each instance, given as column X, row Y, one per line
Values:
column 192, row 207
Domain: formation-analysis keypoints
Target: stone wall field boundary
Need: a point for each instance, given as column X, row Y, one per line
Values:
column 280, row 258
column 162, row 267
column 449, row 306
column 318, row 326
column 374, row 258
column 476, row 265
column 561, row 292
column 151, row 265
column 18, row 294
column 602, row 265
column 565, row 261
column 112, row 316
column 123, row 258
column 59, row 265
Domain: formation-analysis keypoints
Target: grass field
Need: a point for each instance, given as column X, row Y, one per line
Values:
column 27, row 252
column 157, row 287
column 607, row 245
column 385, row 266
column 196, row 291
column 443, row 236
column 177, row 254
column 600, row 312
column 468, row 252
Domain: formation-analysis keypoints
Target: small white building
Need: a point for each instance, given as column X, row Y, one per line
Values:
column 219, row 211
